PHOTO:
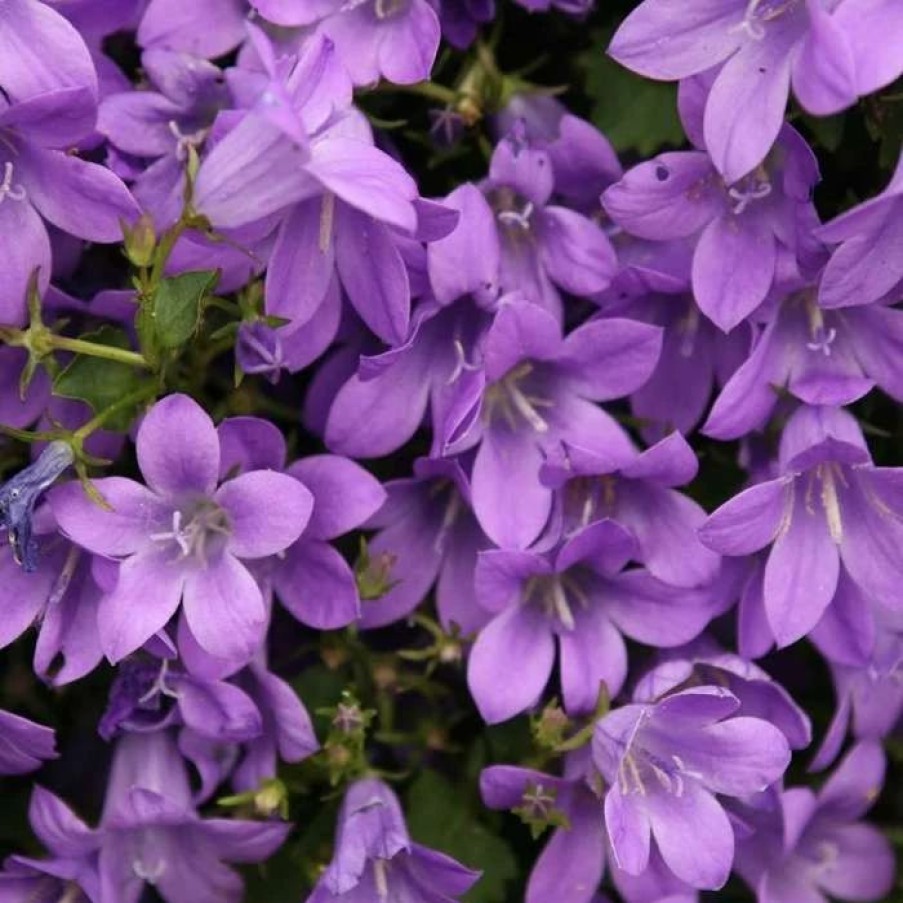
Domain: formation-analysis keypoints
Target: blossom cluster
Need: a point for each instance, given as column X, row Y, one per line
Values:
column 316, row 481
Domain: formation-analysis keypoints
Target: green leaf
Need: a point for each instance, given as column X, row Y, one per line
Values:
column 634, row 113
column 440, row 816
column 100, row 382
column 178, row 304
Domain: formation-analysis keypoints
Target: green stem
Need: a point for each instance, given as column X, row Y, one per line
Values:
column 430, row 90
column 93, row 349
column 149, row 390
column 167, row 242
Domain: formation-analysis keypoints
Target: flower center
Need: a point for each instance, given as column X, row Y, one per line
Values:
column 510, row 399
column 7, row 189
column 828, row 474
column 759, row 13
column 185, row 141
column 555, row 595
column 749, row 189
column 198, row 532
column 512, row 211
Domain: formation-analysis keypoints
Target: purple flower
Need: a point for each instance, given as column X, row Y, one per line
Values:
column 703, row 663
column 571, row 865
column 634, row 489
column 428, row 534
column 578, row 597
column 160, row 124
column 375, row 858
column 665, row 762
column 23, row 744
column 184, row 536
column 823, row 357
column 830, row 507
column 868, row 264
column 152, row 835
column 393, row 39
column 815, row 845
column 544, row 246
column 535, row 391
column 744, row 227
column 20, row 494
column 830, row 52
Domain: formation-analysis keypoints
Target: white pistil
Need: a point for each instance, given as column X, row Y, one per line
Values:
column 520, row 218
column 558, row 604
column 177, row 534
column 7, row 189
column 743, row 198
column 183, row 141
column 65, row 577
column 822, row 340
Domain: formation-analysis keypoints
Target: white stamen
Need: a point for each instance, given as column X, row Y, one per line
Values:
column 327, row 216
column 65, row 576
column 7, row 189
column 461, row 362
column 380, row 878
column 149, row 873
column 831, row 504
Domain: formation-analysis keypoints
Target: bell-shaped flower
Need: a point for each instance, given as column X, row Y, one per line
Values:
column 665, row 763
column 160, row 125
column 151, row 834
column 579, row 599
column 822, row 357
column 535, row 390
column 544, row 246
column 375, row 858
column 427, row 535
column 635, row 489
column 741, row 228
column 814, row 845
column 184, row 536
column 831, row 53
column 829, row 516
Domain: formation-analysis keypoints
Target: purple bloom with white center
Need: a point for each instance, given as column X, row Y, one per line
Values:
column 534, row 391
column 703, row 663
column 544, row 247
column 868, row 262
column 428, row 535
column 833, row 521
column 744, row 227
column 572, row 863
column 822, row 357
column 665, row 762
column 815, row 845
column 184, row 536
column 579, row 598
column 24, row 745
column 393, row 391
column 151, row 834
column 635, row 489
column 150, row 695
column 831, row 52
column 392, row 39
column 375, row 858
column 20, row 494
column 161, row 123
